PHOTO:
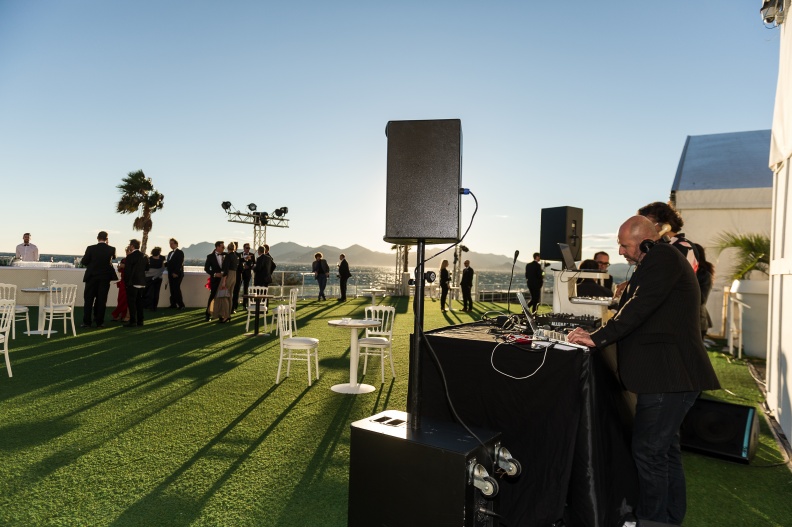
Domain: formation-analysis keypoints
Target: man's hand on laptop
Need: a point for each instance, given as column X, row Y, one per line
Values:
column 580, row 336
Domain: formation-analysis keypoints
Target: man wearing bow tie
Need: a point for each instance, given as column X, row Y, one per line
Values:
column 26, row 251
column 175, row 266
column 214, row 268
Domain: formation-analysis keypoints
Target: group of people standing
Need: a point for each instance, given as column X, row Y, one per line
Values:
column 231, row 272
column 465, row 284
column 139, row 284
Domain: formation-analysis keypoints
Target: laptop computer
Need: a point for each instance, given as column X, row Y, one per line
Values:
column 566, row 255
column 555, row 337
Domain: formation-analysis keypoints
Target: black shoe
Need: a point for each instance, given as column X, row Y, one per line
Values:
column 140, row 324
column 208, row 318
column 100, row 326
column 130, row 325
column 83, row 325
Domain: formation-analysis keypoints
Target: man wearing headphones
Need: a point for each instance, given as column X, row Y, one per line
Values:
column 661, row 358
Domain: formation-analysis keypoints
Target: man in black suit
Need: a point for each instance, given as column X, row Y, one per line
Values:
column 135, row 283
column 343, row 276
column 247, row 261
column 661, row 358
column 534, row 276
column 214, row 268
column 265, row 266
column 99, row 272
column 466, row 284
column 175, row 266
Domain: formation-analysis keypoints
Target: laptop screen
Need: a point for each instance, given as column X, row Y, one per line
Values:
column 527, row 311
column 566, row 254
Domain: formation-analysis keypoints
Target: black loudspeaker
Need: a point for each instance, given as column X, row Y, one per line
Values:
column 414, row 478
column 424, row 177
column 561, row 225
column 725, row 430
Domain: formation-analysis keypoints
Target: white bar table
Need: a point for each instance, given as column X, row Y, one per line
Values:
column 354, row 326
column 374, row 292
column 42, row 292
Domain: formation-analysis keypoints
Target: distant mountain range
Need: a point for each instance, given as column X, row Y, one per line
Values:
column 292, row 253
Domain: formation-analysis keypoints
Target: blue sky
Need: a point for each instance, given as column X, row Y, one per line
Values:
column 585, row 104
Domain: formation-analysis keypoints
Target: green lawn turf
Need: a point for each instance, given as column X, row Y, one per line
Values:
column 180, row 423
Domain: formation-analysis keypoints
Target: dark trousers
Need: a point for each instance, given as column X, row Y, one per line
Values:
column 657, row 455
column 342, row 285
column 95, row 300
column 443, row 295
column 467, row 298
column 214, row 284
column 322, row 279
column 245, row 282
column 136, row 297
column 536, row 297
column 153, row 287
column 235, row 299
column 174, row 283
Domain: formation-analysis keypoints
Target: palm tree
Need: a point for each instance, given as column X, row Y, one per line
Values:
column 138, row 195
column 753, row 252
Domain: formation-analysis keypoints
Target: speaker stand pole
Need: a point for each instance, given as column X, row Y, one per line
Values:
column 414, row 383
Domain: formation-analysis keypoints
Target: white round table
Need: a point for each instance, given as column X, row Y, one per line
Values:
column 353, row 386
column 374, row 292
column 42, row 292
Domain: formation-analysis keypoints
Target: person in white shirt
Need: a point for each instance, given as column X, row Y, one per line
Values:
column 26, row 251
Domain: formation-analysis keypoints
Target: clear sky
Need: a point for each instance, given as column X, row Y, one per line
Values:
column 578, row 103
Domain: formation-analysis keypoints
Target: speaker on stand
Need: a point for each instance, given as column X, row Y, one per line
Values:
column 561, row 225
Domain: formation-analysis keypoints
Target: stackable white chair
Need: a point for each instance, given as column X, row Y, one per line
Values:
column 8, row 292
column 294, row 348
column 378, row 339
column 251, row 305
column 293, row 307
column 61, row 305
column 6, row 321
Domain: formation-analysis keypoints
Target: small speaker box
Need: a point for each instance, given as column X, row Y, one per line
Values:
column 424, row 177
column 720, row 429
column 561, row 225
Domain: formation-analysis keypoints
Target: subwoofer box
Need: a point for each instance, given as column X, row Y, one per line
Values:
column 424, row 177
column 720, row 429
column 399, row 477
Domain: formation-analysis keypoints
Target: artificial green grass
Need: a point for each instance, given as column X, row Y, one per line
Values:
column 181, row 423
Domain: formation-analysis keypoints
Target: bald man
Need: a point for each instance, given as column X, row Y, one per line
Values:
column 661, row 359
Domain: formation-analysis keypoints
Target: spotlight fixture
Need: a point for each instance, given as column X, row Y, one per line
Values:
column 772, row 12
column 263, row 218
column 281, row 211
column 252, row 207
column 226, row 205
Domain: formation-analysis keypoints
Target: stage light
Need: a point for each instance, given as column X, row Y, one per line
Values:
column 285, row 210
column 263, row 218
column 430, row 276
column 772, row 12
column 226, row 205
column 281, row 211
column 252, row 207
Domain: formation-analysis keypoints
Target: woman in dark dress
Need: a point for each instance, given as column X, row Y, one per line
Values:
column 154, row 279
column 121, row 312
column 445, row 278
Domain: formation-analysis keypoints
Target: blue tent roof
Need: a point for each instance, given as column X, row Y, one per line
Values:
column 725, row 161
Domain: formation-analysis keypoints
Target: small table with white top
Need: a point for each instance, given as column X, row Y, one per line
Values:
column 374, row 292
column 42, row 319
column 354, row 325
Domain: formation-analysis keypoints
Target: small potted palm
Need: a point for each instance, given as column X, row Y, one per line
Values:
column 750, row 271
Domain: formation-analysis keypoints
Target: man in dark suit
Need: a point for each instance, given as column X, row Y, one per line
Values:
column 534, row 276
column 135, row 283
column 247, row 261
column 343, row 276
column 214, row 268
column 466, row 284
column 265, row 266
column 99, row 272
column 175, row 266
column 661, row 358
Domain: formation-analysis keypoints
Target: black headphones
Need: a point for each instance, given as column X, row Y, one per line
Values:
column 646, row 245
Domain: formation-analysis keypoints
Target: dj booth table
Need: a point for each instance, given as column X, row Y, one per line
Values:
column 567, row 424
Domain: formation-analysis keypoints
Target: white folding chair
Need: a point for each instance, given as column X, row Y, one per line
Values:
column 293, row 307
column 378, row 340
column 251, row 305
column 8, row 292
column 294, row 348
column 61, row 305
column 6, row 320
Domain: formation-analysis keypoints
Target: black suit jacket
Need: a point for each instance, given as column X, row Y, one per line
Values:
column 135, row 269
column 175, row 263
column 211, row 266
column 264, row 268
column 343, row 269
column 657, row 328
column 98, row 260
column 533, row 274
